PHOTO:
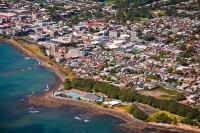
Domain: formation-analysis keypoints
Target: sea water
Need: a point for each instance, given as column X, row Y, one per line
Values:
column 21, row 77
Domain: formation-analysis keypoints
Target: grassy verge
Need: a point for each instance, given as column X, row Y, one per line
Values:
column 172, row 116
column 160, row 12
column 166, row 97
column 109, row 1
column 125, row 107
column 35, row 50
column 1, row 37
column 143, row 19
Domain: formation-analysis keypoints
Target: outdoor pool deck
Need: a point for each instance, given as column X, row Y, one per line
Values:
column 79, row 92
column 71, row 94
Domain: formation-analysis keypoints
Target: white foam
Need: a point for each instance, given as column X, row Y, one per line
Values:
column 47, row 87
column 27, row 58
column 33, row 112
column 86, row 120
column 78, row 118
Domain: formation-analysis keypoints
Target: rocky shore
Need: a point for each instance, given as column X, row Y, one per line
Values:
column 130, row 123
column 48, row 100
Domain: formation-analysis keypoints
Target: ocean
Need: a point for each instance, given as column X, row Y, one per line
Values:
column 21, row 77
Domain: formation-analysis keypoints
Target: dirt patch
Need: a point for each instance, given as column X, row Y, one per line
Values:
column 153, row 93
column 147, row 109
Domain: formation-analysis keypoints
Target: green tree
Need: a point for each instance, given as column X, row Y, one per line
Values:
column 132, row 108
column 182, row 47
column 51, row 57
column 179, row 72
column 180, row 97
column 148, row 38
column 172, row 108
column 169, row 70
column 75, row 83
column 191, row 49
column 187, row 121
column 43, row 49
column 198, row 118
column 139, row 114
column 163, row 118
column 183, row 62
column 175, row 121
column 74, row 20
column 182, row 110
column 112, row 71
column 190, row 115
column 67, row 84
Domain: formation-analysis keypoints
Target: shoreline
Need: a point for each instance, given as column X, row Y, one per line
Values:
column 34, row 56
column 48, row 100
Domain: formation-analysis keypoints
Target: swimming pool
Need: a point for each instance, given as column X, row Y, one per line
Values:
column 73, row 95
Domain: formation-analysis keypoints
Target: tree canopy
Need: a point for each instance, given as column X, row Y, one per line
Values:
column 113, row 91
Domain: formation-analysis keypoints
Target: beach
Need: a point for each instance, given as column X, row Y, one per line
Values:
column 34, row 56
column 47, row 99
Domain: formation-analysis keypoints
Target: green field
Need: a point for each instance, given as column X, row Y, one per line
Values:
column 143, row 19
column 125, row 107
column 163, row 93
column 172, row 116
column 109, row 1
column 160, row 12
column 171, row 92
column 166, row 97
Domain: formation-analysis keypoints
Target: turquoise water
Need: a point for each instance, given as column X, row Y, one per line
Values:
column 20, row 78
column 71, row 94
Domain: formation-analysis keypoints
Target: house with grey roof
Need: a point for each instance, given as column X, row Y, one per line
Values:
column 92, row 97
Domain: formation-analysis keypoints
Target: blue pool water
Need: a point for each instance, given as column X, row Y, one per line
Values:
column 21, row 77
column 71, row 94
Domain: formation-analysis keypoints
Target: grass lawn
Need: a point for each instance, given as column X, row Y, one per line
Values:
column 161, row 12
column 172, row 116
column 166, row 97
column 125, row 107
column 35, row 49
column 109, row 1
column 143, row 19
